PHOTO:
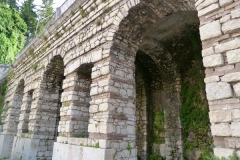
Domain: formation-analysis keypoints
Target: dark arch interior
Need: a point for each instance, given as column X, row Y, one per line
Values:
column 167, row 64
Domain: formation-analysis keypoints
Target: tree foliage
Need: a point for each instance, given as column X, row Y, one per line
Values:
column 12, row 31
column 29, row 15
column 45, row 13
column 11, row 3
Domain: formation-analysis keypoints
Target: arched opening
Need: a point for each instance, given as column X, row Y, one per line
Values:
column 171, row 106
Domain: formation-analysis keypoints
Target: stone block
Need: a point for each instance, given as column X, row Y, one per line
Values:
column 236, row 114
column 219, row 90
column 223, row 152
column 210, row 30
column 220, row 116
column 213, row 60
column 209, row 9
column 231, row 26
column 222, row 129
column 235, row 13
column 99, row 154
column 233, row 56
column 225, row 2
column 235, row 129
column 231, row 77
column 206, row 4
column 211, row 79
column 236, row 88
column 222, row 47
column 207, row 51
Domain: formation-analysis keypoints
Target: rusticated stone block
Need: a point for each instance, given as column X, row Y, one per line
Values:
column 220, row 116
column 213, row 60
column 233, row 56
column 207, row 51
column 211, row 79
column 233, row 44
column 210, row 30
column 231, row 77
column 225, row 2
column 236, row 88
column 235, row 129
column 218, row 90
column 223, row 152
column 231, row 26
column 222, row 129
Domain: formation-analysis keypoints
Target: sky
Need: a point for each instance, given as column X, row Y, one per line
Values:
column 57, row 3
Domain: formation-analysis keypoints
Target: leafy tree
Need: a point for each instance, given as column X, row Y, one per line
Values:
column 45, row 13
column 11, row 3
column 30, row 17
column 12, row 31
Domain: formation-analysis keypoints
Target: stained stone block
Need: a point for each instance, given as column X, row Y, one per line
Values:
column 231, row 77
column 213, row 60
column 222, row 129
column 236, row 88
column 211, row 79
column 220, row 116
column 233, row 44
column 219, row 90
column 225, row 2
column 210, row 30
column 207, row 51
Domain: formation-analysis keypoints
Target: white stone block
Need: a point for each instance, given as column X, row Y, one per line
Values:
column 223, row 152
column 231, row 77
column 209, row 9
column 231, row 26
column 90, row 153
column 233, row 44
column 210, row 30
column 213, row 60
column 211, row 79
column 220, row 116
column 235, row 129
column 225, row 2
column 207, row 51
column 219, row 90
column 236, row 88
column 222, row 129
column 206, row 4
column 233, row 56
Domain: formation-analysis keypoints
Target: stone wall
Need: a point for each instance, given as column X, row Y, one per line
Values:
column 220, row 41
column 79, row 79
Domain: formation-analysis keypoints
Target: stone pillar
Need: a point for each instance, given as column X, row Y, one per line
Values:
column 75, row 106
column 112, row 108
column 221, row 51
column 25, row 111
column 11, row 120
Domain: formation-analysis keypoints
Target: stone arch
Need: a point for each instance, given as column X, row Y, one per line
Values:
column 175, row 23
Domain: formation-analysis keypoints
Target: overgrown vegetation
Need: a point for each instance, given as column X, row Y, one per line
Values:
column 3, row 89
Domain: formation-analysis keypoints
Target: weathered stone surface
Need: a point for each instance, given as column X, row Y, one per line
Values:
column 235, row 13
column 100, row 154
column 211, row 79
column 207, row 51
column 233, row 44
column 236, row 88
column 231, row 77
column 233, row 56
column 225, row 2
column 218, row 90
column 236, row 114
column 210, row 30
column 220, row 116
column 213, row 60
column 230, row 26
column 235, row 129
column 206, row 4
column 222, row 129
column 223, row 152
column 209, row 9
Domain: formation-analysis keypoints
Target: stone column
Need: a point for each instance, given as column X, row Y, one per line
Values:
column 75, row 106
column 25, row 111
column 112, row 108
column 221, row 56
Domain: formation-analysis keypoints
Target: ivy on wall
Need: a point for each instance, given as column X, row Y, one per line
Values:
column 3, row 89
column 194, row 111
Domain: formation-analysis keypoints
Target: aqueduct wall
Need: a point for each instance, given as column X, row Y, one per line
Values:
column 80, row 90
